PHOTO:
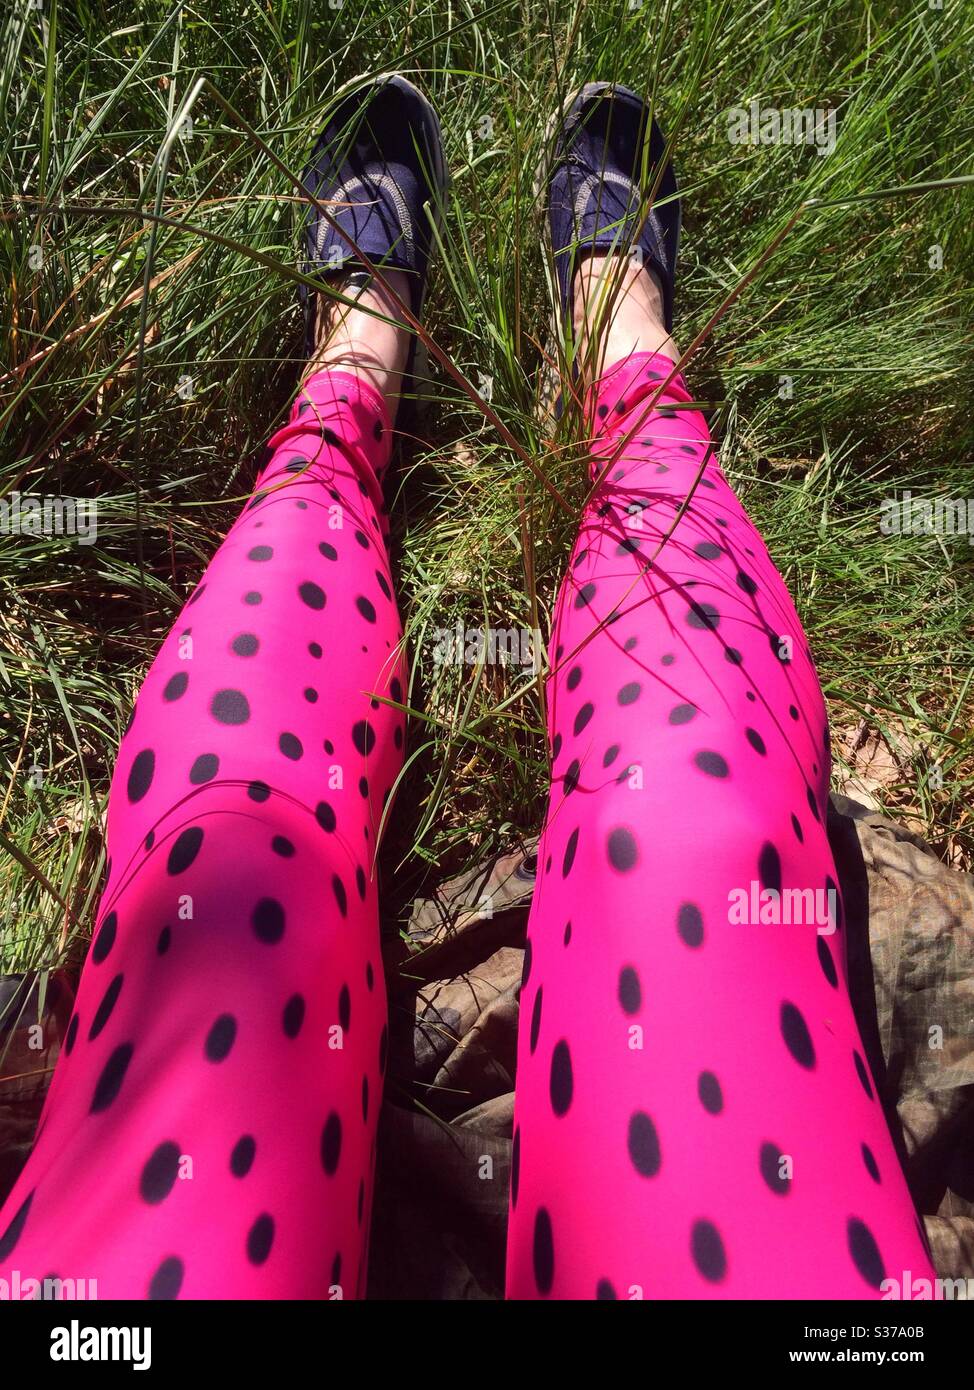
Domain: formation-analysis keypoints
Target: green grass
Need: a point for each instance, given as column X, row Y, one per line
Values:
column 166, row 257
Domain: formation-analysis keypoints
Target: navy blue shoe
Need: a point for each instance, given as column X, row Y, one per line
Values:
column 379, row 167
column 597, row 185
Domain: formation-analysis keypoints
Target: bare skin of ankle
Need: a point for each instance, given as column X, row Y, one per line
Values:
column 352, row 340
column 631, row 318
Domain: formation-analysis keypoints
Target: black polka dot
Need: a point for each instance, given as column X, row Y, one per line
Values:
column 535, row 1031
column 258, row 791
column 735, row 658
column 345, row 1008
column 622, row 849
column 796, row 826
column 756, row 741
column 769, row 867
column 711, row 1096
column 104, row 1012
column 770, row 1164
column 267, row 920
column 689, row 923
column 630, row 992
column 14, row 1231
column 707, row 550
column 293, row 1016
column 574, row 676
column 834, row 899
column 160, row 1173
column 865, row 1252
column 827, row 963
column 643, row 1141
column 341, row 897
column 230, row 707
column 872, row 1167
column 570, row 849
column 140, row 774
column 604, row 1291
column 105, row 939
column 572, row 775
column 331, row 1143
column 245, row 644
column 682, row 714
column 176, row 686
column 797, row 1038
column 610, row 755
column 543, row 1252
column 315, row 649
column 325, row 816
column 252, row 598
column 562, row 1084
column 582, row 717
column 707, row 1249
column 290, row 745
column 242, row 1156
column 184, row 850
column 260, row 1238
column 204, row 768
column 711, row 763
column 164, row 942
column 703, row 615
column 220, row 1038
column 260, row 553
column 167, row 1280
column 312, row 594
column 71, row 1035
column 862, row 1074
column 112, row 1075
column 629, row 693
column 585, row 595
column 363, row 736
column 329, row 551
column 366, row 608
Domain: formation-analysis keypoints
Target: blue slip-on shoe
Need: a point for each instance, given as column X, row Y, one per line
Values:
column 379, row 168
column 602, row 156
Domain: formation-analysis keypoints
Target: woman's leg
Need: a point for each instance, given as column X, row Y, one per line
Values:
column 694, row 1115
column 210, row 1129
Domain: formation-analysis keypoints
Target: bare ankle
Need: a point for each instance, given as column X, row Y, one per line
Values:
column 358, row 341
column 618, row 311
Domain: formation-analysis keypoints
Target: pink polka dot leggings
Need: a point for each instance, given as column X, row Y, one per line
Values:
column 694, row 1116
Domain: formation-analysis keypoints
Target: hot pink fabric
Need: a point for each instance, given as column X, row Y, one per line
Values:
column 694, row 1115
column 210, row 1129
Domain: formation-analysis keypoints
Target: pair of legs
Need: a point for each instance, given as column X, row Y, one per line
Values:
column 694, row 1116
